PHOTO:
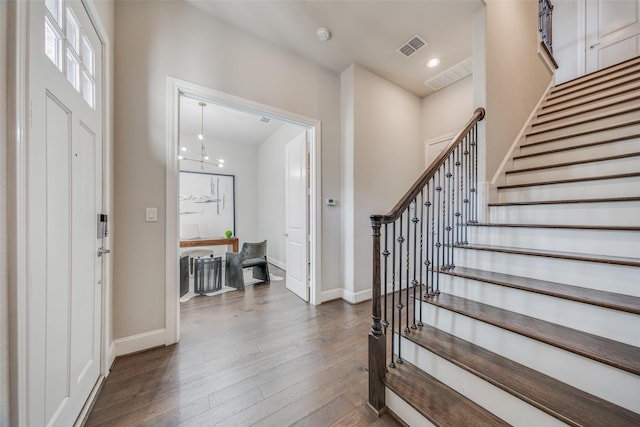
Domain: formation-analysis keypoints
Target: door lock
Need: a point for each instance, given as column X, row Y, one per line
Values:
column 103, row 251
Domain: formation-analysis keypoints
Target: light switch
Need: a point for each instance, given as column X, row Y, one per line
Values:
column 152, row 214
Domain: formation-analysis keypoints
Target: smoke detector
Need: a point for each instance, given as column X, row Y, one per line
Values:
column 323, row 34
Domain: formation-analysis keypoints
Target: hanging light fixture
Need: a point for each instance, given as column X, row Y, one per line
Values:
column 204, row 158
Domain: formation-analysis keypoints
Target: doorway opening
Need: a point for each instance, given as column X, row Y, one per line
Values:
column 238, row 164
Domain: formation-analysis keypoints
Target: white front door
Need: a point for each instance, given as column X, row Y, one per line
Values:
column 64, row 195
column 296, row 216
column 613, row 32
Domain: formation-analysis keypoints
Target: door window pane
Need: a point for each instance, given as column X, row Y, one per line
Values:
column 73, row 70
column 88, row 56
column 73, row 31
column 88, row 89
column 55, row 9
column 52, row 44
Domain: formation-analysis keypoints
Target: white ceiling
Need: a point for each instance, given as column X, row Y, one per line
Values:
column 222, row 124
column 366, row 32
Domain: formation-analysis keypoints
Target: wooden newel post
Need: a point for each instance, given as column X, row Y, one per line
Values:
column 377, row 339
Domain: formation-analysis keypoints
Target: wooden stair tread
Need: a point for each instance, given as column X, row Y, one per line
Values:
column 564, row 402
column 576, row 147
column 581, row 133
column 609, row 99
column 437, row 402
column 555, row 98
column 568, row 123
column 630, row 63
column 630, row 262
column 561, row 226
column 574, row 162
column 626, row 303
column 609, row 352
column 570, row 180
column 568, row 201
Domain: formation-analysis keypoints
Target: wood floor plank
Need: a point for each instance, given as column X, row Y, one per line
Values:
column 248, row 358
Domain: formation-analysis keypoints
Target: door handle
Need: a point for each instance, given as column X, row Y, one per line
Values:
column 103, row 251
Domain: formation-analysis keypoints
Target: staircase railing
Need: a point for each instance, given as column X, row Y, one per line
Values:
column 545, row 16
column 417, row 239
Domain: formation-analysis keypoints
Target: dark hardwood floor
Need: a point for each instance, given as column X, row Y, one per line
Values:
column 262, row 357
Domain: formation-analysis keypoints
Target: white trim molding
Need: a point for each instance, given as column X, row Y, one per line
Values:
column 176, row 88
column 139, row 342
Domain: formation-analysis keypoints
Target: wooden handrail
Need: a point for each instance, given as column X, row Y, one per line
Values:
column 415, row 189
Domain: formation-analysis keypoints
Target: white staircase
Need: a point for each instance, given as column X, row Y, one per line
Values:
column 539, row 322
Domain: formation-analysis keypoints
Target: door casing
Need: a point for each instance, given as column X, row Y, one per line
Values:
column 176, row 88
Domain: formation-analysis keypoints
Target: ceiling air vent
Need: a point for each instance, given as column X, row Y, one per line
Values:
column 412, row 46
column 451, row 75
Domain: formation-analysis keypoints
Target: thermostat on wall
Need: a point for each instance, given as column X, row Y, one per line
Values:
column 331, row 202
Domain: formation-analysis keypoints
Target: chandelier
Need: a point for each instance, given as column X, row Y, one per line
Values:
column 192, row 156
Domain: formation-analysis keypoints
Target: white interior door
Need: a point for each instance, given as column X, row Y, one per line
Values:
column 296, row 216
column 433, row 147
column 613, row 32
column 64, row 198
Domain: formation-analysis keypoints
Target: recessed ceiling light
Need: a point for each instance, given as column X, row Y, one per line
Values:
column 433, row 62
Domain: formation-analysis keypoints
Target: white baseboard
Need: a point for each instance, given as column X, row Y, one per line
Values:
column 139, row 342
column 356, row 297
column 277, row 263
column 331, row 295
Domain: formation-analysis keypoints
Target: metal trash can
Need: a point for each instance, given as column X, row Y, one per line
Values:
column 207, row 274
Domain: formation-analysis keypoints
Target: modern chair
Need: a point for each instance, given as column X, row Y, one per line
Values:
column 252, row 255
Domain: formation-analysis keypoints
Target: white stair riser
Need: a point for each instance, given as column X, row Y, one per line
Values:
column 606, row 277
column 574, row 141
column 617, row 386
column 592, row 126
column 623, row 107
column 612, row 324
column 620, row 187
column 590, row 89
column 607, row 213
column 596, row 242
column 599, row 102
column 585, row 153
column 589, row 126
column 404, row 411
column 582, row 170
column 613, row 73
column 497, row 401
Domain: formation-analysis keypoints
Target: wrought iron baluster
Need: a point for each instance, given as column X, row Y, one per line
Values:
column 422, row 259
column 438, row 245
column 408, row 266
column 450, row 200
column 393, row 297
column 414, row 282
column 400, row 306
column 385, row 253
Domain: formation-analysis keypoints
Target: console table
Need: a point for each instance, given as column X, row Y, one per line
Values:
column 220, row 241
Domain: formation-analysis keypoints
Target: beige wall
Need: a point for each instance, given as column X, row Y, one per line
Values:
column 516, row 77
column 447, row 110
column 170, row 38
column 381, row 128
